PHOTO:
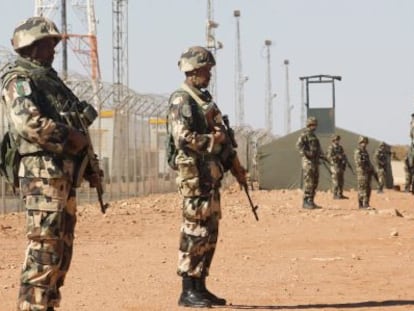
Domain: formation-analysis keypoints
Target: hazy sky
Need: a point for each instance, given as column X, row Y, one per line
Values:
column 370, row 43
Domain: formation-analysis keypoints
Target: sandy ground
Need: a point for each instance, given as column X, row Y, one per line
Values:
column 334, row 258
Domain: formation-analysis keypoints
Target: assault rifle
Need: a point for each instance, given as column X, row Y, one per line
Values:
column 89, row 160
column 230, row 134
column 346, row 163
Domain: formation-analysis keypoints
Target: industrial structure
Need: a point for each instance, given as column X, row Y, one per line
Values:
column 239, row 78
column 269, row 96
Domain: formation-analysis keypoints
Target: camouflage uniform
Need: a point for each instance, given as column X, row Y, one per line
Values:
column 364, row 170
column 337, row 159
column 33, row 95
column 311, row 152
column 201, row 162
column 381, row 158
column 408, row 170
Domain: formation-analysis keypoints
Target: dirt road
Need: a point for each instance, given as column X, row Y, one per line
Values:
column 335, row 258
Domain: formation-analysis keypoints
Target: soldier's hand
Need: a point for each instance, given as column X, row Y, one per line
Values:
column 75, row 142
column 219, row 136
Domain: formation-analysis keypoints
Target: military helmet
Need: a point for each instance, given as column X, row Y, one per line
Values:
column 362, row 139
column 34, row 29
column 195, row 57
column 335, row 137
column 311, row 121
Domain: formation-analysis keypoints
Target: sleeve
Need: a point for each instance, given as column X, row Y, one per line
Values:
column 27, row 119
column 181, row 118
column 300, row 146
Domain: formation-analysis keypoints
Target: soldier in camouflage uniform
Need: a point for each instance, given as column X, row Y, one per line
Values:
column 412, row 130
column 408, row 170
column 365, row 171
column 381, row 159
column 33, row 96
column 337, row 159
column 204, row 154
column 311, row 152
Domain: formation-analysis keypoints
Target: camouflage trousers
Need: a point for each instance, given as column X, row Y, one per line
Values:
column 337, row 178
column 409, row 180
column 310, row 171
column 50, row 218
column 364, row 186
column 381, row 177
column 198, row 234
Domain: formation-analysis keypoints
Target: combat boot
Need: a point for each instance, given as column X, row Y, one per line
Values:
column 336, row 196
column 190, row 297
column 308, row 204
column 50, row 309
column 380, row 190
column 360, row 204
column 200, row 285
column 343, row 197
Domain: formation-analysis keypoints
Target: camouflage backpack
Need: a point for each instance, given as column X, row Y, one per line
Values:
column 9, row 160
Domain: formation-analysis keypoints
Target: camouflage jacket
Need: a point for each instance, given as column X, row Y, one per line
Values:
column 193, row 137
column 380, row 157
column 362, row 162
column 309, row 147
column 336, row 155
column 33, row 96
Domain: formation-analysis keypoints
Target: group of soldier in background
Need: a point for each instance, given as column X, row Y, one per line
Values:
column 312, row 155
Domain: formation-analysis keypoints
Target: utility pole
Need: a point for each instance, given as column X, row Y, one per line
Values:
column 288, row 107
column 239, row 79
column 212, row 45
column 268, row 90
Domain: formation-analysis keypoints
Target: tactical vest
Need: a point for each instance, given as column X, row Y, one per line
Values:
column 49, row 94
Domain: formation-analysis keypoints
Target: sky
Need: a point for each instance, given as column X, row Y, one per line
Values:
column 369, row 43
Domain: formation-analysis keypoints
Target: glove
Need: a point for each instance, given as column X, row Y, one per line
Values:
column 238, row 171
column 219, row 136
column 75, row 142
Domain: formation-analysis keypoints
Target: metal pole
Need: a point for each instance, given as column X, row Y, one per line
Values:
column 64, row 42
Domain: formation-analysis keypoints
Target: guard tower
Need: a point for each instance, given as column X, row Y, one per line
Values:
column 325, row 115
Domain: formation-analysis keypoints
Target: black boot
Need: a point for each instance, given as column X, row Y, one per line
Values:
column 360, row 205
column 200, row 285
column 190, row 297
column 50, row 309
column 308, row 204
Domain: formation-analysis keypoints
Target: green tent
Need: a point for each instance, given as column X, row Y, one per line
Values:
column 279, row 162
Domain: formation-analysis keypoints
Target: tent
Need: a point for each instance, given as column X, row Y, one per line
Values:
column 279, row 162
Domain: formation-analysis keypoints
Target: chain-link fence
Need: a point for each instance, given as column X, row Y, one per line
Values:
column 129, row 139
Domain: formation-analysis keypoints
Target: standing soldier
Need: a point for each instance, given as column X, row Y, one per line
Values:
column 408, row 170
column 338, row 161
column 34, row 98
column 365, row 171
column 381, row 159
column 311, row 152
column 204, row 153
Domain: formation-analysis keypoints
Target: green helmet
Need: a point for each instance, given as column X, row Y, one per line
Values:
column 311, row 121
column 33, row 29
column 195, row 57
column 362, row 139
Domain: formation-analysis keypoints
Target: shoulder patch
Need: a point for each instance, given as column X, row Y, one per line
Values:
column 23, row 88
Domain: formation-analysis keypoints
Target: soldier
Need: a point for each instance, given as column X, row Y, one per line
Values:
column 204, row 154
column 381, row 159
column 408, row 170
column 338, row 161
column 311, row 152
column 33, row 96
column 365, row 171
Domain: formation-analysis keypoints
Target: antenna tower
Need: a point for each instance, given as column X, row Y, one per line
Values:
column 288, row 106
column 239, row 79
column 84, row 46
column 120, row 48
column 212, row 45
column 268, row 90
